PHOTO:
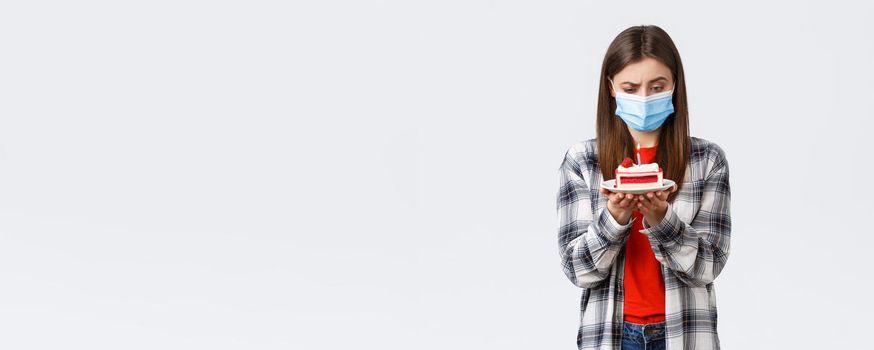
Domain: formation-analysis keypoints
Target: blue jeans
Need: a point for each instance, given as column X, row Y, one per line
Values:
column 639, row 337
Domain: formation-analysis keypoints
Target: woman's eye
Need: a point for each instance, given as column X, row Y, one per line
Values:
column 657, row 88
column 629, row 91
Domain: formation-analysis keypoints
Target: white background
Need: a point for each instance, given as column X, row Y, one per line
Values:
column 382, row 175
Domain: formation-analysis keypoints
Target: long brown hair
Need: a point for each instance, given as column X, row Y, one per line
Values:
column 614, row 140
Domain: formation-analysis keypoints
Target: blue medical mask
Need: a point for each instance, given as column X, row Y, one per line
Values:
column 644, row 113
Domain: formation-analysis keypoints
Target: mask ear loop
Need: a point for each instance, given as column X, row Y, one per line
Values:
column 613, row 88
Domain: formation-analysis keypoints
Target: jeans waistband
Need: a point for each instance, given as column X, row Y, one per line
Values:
column 646, row 329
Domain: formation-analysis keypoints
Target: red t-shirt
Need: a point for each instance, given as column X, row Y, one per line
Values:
column 643, row 282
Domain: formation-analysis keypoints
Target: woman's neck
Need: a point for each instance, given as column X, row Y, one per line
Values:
column 645, row 138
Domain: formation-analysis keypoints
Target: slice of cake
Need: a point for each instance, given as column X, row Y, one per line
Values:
column 631, row 176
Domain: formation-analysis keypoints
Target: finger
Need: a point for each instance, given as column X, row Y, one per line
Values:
column 648, row 198
column 629, row 201
column 659, row 196
column 610, row 195
column 644, row 205
column 625, row 201
column 650, row 201
column 638, row 199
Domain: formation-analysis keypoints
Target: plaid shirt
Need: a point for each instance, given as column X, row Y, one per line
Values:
column 691, row 243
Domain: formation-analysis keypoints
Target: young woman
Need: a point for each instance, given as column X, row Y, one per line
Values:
column 645, row 263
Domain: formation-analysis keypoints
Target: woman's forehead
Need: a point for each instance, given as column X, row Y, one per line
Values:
column 647, row 70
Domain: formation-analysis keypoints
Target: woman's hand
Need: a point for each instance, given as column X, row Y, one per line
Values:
column 654, row 205
column 620, row 205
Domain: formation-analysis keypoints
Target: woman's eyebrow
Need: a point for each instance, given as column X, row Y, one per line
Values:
column 651, row 81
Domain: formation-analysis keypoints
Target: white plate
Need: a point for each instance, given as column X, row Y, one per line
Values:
column 667, row 183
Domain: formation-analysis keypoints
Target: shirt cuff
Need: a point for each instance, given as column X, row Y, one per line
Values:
column 667, row 229
column 612, row 228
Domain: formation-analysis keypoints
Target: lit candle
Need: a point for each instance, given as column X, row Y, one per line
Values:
column 638, row 154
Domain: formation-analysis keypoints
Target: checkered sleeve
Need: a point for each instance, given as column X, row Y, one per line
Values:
column 588, row 242
column 697, row 252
